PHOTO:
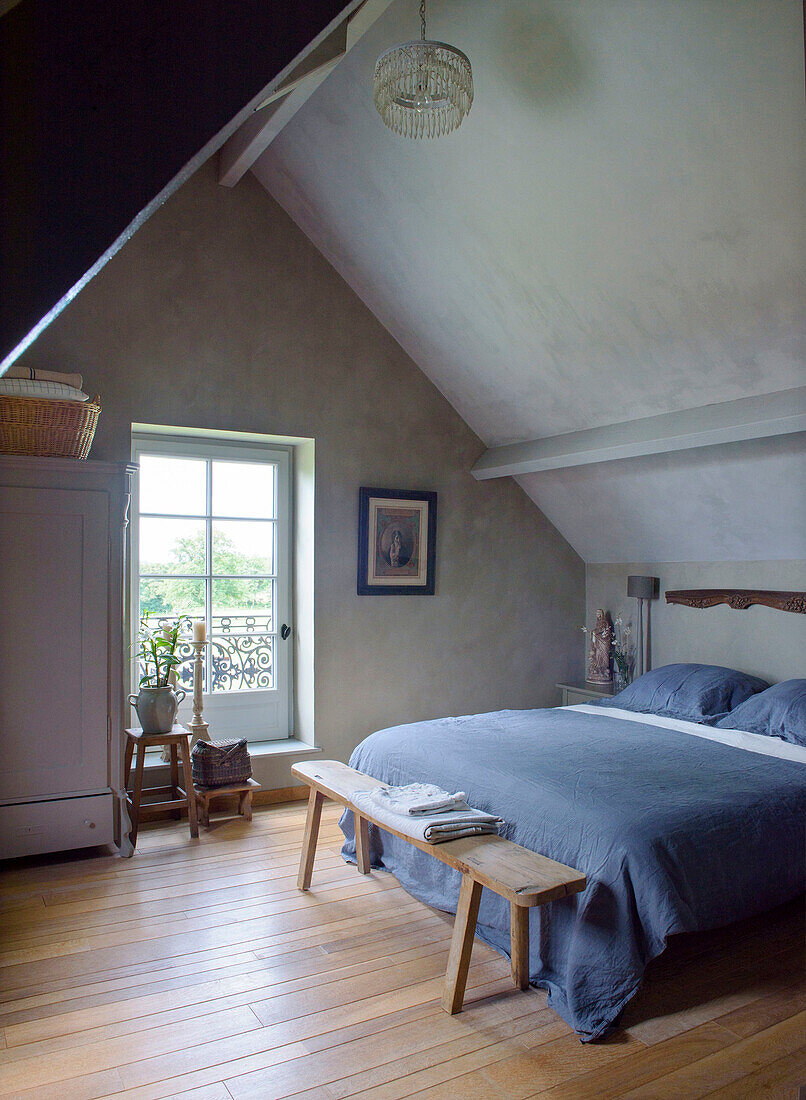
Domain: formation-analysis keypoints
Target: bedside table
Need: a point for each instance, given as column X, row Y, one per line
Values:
column 584, row 693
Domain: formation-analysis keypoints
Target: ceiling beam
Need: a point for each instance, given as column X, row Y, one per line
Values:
column 312, row 74
column 240, row 152
column 727, row 422
column 282, row 101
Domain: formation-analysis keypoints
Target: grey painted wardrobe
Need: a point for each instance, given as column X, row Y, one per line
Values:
column 62, row 557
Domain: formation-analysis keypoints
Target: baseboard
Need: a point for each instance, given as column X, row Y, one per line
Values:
column 279, row 794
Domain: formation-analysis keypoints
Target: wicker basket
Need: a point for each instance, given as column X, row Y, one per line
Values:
column 220, row 763
column 48, row 428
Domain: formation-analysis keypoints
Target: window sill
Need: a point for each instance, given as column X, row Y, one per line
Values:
column 289, row 746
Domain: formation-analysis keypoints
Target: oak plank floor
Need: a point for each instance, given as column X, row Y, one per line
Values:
column 196, row 970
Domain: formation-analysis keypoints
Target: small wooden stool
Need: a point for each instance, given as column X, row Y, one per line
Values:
column 178, row 741
column 244, row 791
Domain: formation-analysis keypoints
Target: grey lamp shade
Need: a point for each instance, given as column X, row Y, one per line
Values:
column 643, row 588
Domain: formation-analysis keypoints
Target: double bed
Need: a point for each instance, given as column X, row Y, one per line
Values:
column 678, row 826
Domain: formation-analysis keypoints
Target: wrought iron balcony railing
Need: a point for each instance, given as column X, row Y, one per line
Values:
column 239, row 655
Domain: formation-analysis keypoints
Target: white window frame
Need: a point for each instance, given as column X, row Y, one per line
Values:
column 258, row 715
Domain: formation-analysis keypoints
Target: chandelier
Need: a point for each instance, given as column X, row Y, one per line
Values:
column 422, row 88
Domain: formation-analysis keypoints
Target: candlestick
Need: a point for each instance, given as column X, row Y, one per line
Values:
column 197, row 725
column 200, row 631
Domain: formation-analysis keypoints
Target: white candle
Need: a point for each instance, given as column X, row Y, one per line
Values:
column 200, row 631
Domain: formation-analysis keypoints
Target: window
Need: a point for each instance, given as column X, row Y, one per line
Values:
column 211, row 540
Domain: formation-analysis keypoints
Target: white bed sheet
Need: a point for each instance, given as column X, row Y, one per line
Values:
column 740, row 739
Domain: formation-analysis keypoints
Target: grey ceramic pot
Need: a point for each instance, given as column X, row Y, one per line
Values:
column 156, row 708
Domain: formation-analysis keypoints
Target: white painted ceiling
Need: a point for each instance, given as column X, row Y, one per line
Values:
column 615, row 231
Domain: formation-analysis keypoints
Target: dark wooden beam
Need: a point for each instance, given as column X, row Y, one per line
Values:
column 739, row 598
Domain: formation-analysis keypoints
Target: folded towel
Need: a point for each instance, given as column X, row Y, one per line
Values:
column 35, row 374
column 432, row 828
column 419, row 798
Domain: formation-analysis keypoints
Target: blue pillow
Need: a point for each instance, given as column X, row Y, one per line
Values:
column 780, row 711
column 696, row 693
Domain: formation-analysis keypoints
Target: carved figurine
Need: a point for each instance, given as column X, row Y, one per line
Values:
column 599, row 655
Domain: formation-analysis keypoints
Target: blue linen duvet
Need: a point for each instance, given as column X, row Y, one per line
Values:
column 675, row 834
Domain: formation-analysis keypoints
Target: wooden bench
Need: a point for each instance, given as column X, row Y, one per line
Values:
column 524, row 878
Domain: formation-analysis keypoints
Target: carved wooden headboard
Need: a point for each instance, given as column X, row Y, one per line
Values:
column 739, row 598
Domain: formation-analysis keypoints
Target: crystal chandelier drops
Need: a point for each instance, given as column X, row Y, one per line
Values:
column 423, row 88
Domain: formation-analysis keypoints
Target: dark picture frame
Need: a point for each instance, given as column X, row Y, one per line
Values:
column 397, row 542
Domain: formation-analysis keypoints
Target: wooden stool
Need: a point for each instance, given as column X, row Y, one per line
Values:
column 178, row 741
column 243, row 790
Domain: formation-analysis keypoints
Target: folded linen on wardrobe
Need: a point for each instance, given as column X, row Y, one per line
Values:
column 48, row 391
column 419, row 798
column 36, row 375
column 434, row 828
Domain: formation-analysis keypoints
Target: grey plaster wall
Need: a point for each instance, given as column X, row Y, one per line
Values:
column 760, row 640
column 220, row 313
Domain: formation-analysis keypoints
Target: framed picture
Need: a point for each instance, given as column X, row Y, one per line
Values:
column 397, row 540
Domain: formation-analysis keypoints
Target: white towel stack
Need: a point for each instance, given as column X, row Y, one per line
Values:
column 425, row 812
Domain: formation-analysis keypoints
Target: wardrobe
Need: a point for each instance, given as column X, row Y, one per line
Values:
column 62, row 628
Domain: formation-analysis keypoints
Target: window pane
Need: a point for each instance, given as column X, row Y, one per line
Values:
column 173, row 486
column 241, row 646
column 242, row 604
column 242, row 547
column 243, row 489
column 172, row 546
column 171, row 598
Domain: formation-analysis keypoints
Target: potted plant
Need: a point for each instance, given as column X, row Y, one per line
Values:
column 157, row 701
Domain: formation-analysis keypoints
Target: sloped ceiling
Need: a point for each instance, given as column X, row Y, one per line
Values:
column 616, row 231
column 738, row 502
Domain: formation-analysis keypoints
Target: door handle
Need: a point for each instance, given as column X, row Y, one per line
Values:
column 285, row 630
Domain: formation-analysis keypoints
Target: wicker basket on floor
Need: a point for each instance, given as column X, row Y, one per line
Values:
column 47, row 428
column 220, row 763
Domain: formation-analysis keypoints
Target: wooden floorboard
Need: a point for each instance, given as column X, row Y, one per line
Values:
column 197, row 970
